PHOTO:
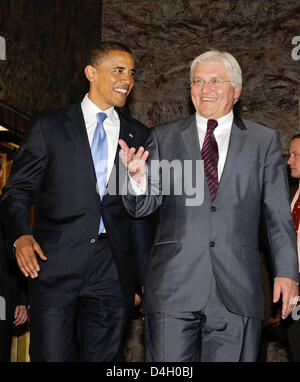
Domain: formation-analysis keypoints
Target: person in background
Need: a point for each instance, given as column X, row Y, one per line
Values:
column 293, row 326
column 13, row 293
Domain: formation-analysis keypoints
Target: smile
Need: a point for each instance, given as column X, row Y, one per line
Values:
column 208, row 99
column 121, row 90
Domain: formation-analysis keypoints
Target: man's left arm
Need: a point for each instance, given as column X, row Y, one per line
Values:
column 280, row 228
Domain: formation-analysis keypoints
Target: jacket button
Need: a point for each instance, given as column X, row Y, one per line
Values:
column 213, row 209
column 93, row 241
column 212, row 244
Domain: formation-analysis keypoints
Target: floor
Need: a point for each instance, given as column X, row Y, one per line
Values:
column 277, row 352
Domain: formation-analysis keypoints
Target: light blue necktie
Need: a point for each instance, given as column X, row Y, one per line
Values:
column 100, row 155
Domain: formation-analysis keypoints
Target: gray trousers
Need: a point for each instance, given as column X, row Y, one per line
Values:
column 211, row 335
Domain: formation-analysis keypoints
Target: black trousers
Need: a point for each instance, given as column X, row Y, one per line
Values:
column 91, row 329
column 6, row 332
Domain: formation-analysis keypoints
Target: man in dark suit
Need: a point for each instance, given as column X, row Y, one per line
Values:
column 81, row 254
column 13, row 294
column 203, row 291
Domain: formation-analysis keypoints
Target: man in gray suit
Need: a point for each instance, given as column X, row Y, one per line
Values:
column 203, row 290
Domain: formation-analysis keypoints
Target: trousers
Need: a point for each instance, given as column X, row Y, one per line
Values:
column 91, row 329
column 212, row 334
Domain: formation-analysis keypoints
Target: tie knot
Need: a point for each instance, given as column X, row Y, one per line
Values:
column 101, row 117
column 212, row 124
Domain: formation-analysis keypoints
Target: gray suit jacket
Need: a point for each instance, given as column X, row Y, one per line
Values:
column 220, row 237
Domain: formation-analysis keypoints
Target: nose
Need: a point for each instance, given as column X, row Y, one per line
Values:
column 206, row 87
column 127, row 78
column 289, row 161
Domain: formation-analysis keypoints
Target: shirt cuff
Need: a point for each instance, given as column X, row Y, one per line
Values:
column 138, row 189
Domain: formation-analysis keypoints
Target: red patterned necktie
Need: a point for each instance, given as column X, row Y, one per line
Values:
column 296, row 214
column 210, row 156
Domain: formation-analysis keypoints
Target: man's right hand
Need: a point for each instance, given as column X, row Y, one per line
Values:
column 26, row 249
column 135, row 162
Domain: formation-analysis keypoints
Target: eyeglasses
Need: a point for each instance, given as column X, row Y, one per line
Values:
column 213, row 82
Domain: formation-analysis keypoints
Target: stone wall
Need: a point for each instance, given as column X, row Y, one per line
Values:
column 166, row 35
column 46, row 40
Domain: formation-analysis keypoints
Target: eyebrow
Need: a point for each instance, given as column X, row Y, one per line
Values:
column 122, row 67
column 215, row 77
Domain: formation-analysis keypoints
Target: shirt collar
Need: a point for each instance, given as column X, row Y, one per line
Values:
column 225, row 120
column 90, row 110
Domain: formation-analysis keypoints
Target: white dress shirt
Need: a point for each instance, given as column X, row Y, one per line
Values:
column 222, row 136
column 111, row 126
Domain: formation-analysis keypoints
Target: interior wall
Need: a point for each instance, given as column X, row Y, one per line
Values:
column 166, row 35
column 46, row 41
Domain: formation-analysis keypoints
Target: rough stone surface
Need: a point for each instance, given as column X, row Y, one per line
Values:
column 166, row 35
column 46, row 41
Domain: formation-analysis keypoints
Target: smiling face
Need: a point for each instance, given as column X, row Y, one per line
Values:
column 112, row 80
column 294, row 158
column 213, row 102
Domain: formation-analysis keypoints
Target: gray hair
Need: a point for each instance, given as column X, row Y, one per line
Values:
column 233, row 68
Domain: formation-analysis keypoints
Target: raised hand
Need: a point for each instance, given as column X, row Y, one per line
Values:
column 134, row 161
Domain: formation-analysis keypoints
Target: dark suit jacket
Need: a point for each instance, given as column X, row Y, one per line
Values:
column 54, row 169
column 217, row 237
column 13, row 285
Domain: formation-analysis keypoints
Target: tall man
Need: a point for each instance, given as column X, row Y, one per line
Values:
column 203, row 290
column 81, row 253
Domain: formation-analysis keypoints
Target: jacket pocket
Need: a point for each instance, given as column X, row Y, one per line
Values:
column 165, row 242
column 250, row 254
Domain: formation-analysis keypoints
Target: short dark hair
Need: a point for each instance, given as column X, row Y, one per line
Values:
column 97, row 53
column 296, row 136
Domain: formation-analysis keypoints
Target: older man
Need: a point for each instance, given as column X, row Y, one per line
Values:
column 203, row 291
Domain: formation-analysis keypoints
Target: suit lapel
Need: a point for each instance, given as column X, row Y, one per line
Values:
column 190, row 138
column 76, row 130
column 127, row 131
column 237, row 140
column 128, row 134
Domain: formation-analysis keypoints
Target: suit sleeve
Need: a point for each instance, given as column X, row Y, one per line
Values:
column 26, row 176
column 278, row 219
column 144, row 205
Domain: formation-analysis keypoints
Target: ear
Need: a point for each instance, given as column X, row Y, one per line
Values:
column 237, row 92
column 90, row 72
